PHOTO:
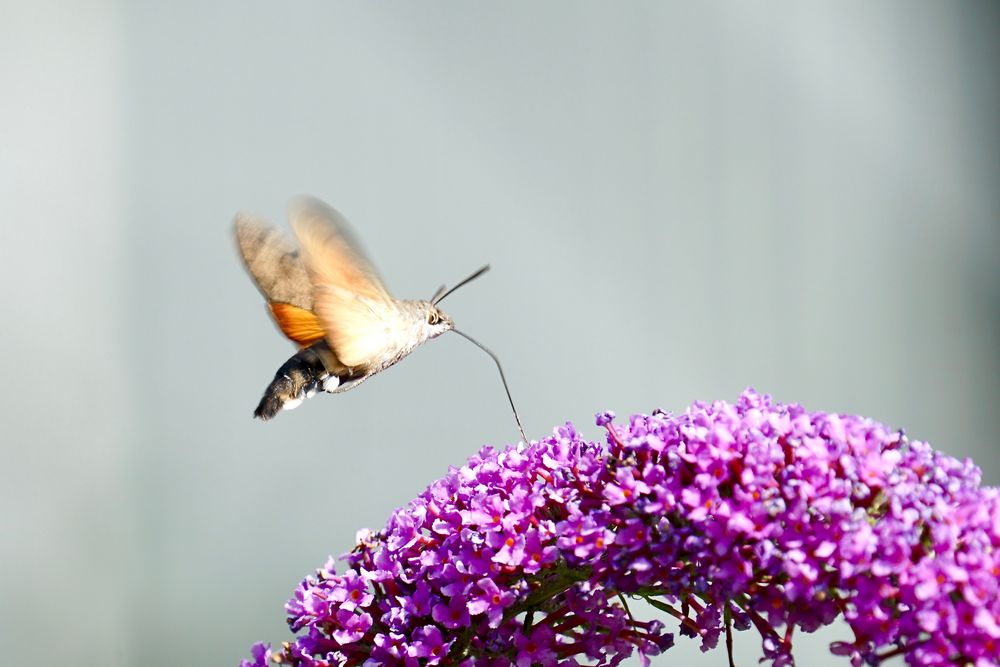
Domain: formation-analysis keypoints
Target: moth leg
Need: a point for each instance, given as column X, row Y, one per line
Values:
column 347, row 383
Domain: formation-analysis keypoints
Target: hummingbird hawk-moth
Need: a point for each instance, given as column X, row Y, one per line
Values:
column 326, row 297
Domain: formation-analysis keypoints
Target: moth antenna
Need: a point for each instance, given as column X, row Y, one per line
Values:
column 495, row 360
column 438, row 296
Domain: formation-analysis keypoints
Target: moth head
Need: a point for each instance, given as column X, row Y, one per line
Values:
column 437, row 321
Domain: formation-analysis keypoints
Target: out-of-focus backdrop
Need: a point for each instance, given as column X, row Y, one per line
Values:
column 679, row 200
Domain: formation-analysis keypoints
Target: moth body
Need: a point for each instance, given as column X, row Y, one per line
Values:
column 418, row 322
column 326, row 296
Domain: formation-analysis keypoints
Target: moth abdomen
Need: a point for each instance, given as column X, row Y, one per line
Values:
column 299, row 378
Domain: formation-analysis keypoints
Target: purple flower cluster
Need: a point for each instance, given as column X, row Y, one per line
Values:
column 724, row 517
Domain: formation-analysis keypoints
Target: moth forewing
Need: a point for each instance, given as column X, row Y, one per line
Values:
column 331, row 253
column 272, row 261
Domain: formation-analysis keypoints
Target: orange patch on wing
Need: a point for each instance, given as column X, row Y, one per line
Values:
column 299, row 324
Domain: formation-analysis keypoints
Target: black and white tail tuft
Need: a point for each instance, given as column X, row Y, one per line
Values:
column 299, row 378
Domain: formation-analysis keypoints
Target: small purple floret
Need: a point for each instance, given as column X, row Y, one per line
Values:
column 260, row 653
column 726, row 518
column 604, row 418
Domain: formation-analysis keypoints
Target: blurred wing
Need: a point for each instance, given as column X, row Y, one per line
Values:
column 281, row 276
column 360, row 317
column 299, row 324
column 331, row 253
column 272, row 262
column 361, row 330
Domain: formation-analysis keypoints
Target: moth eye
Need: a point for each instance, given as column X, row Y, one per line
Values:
column 432, row 318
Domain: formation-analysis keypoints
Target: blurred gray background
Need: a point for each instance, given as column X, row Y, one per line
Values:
column 678, row 200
